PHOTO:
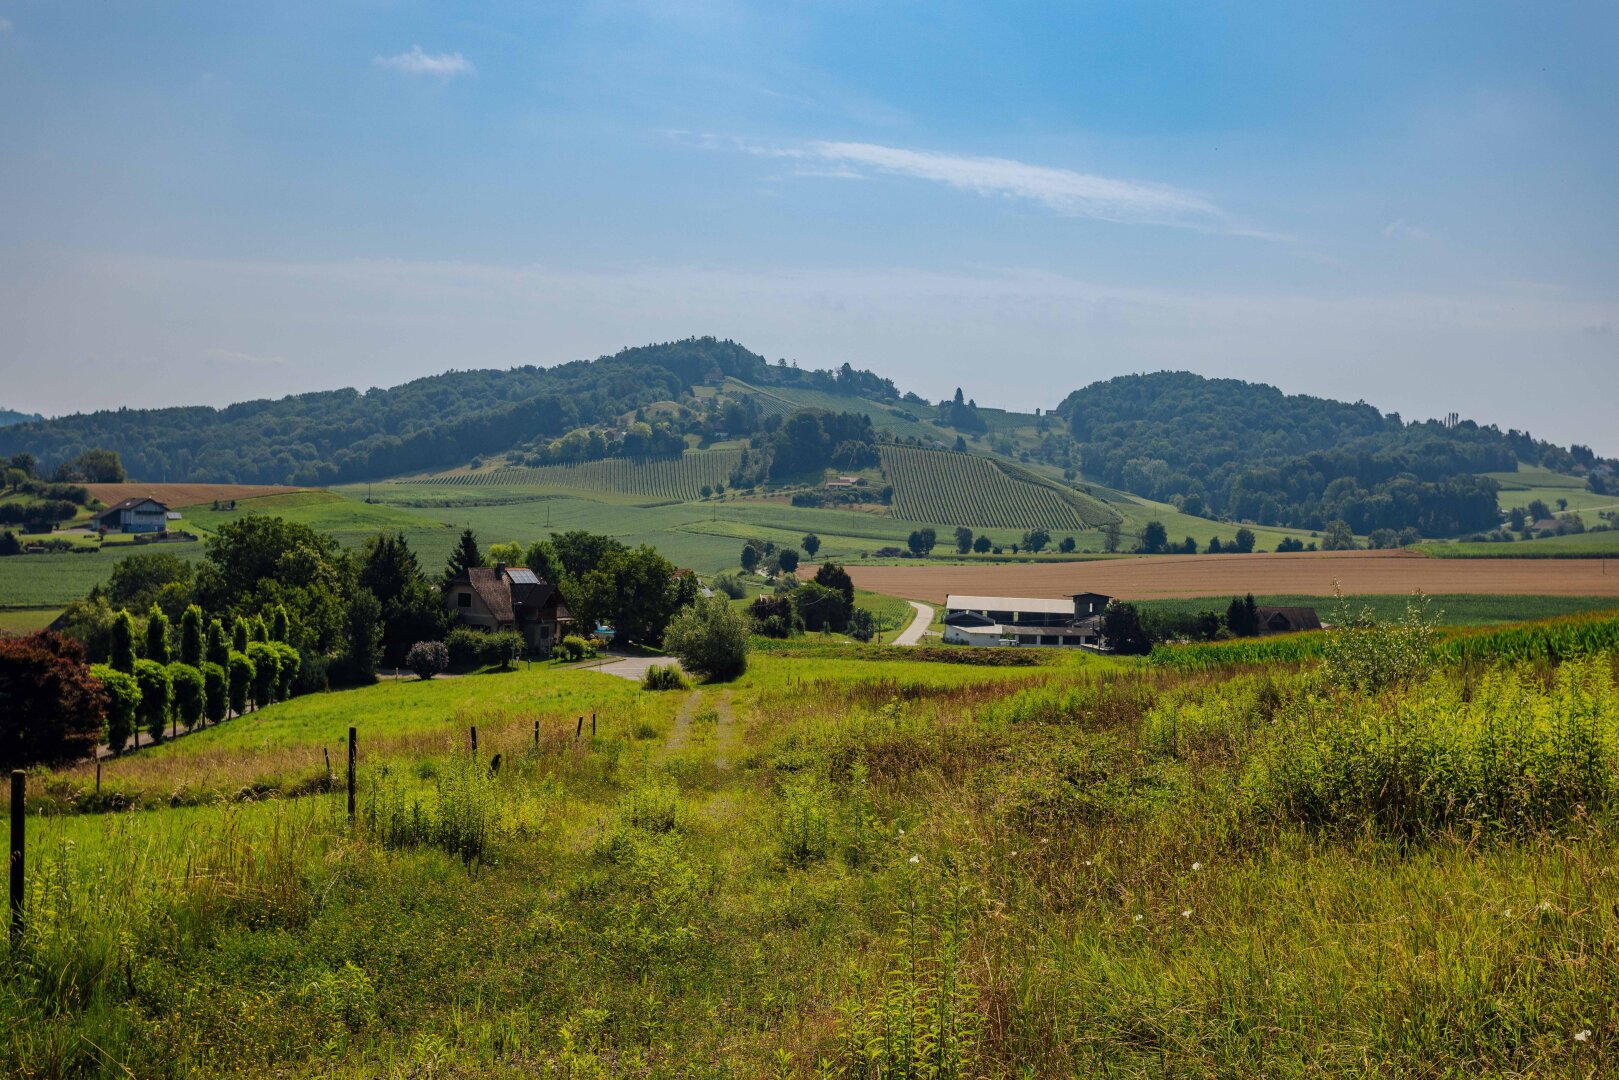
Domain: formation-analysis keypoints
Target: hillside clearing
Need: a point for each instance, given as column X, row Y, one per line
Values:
column 181, row 495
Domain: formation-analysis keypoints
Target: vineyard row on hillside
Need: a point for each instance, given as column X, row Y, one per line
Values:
column 680, row 479
column 953, row 488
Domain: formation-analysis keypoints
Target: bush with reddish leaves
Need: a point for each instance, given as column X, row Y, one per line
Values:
column 51, row 707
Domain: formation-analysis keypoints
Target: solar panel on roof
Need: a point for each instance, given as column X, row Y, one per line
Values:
column 522, row 575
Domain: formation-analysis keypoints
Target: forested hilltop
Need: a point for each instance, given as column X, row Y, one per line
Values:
column 1246, row 451
column 432, row 423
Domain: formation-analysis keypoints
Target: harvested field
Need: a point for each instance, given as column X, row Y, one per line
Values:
column 177, row 495
column 1301, row 574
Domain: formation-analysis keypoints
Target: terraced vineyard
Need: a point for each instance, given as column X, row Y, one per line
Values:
column 946, row 487
column 674, row 479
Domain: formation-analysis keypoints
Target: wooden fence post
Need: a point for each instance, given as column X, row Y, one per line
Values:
column 536, row 734
column 19, row 781
column 98, row 776
column 353, row 738
column 592, row 725
column 580, row 730
column 474, row 730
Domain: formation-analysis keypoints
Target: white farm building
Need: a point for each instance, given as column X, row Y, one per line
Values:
column 1025, row 620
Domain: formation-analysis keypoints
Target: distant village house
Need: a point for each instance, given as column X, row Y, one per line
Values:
column 509, row 598
column 1024, row 620
column 140, row 514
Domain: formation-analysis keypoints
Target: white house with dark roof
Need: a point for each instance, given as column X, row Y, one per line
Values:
column 139, row 514
column 1025, row 620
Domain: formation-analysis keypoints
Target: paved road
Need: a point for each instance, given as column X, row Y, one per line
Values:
column 626, row 667
column 912, row 634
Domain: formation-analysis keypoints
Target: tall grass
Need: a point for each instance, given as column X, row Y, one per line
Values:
column 456, row 814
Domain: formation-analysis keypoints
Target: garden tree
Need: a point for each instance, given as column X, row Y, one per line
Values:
column 1242, row 616
column 921, row 541
column 239, row 634
column 257, row 631
column 1515, row 518
column 820, row 608
column 1215, row 547
column 1154, row 539
column 862, row 625
column 157, row 635
column 465, row 556
column 288, row 661
column 836, row 577
column 507, row 554
column 51, row 706
column 139, row 581
column 1244, row 543
column 1067, row 545
column 687, row 589
column 428, row 658
column 1036, row 540
column 215, row 690
column 982, row 545
column 1337, row 537
column 189, row 693
column 787, row 559
column 121, row 653
column 542, row 558
column 1538, row 510
column 255, row 562
column 89, row 621
column 266, row 672
column 242, row 677
column 157, row 693
column 216, row 648
column 580, row 552
column 750, row 557
column 964, row 539
column 279, row 630
column 191, row 636
column 775, row 616
column 634, row 591
column 92, row 467
column 1122, row 630
column 123, row 695
column 364, row 636
column 411, row 608
column 710, row 638
column 811, row 544
column 1111, row 534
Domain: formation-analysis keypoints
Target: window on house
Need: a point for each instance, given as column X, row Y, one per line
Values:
column 463, row 599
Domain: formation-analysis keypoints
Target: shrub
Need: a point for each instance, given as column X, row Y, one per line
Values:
column 123, row 704
column 862, row 626
column 775, row 616
column 266, row 672
column 51, row 707
column 157, row 636
column 464, row 646
column 215, row 691
column 503, row 647
column 729, row 585
column 574, row 647
column 711, row 639
column 1359, row 655
column 664, row 677
column 189, row 691
column 804, row 821
column 191, row 636
column 288, row 661
column 157, row 695
column 242, row 676
column 121, row 653
column 428, row 658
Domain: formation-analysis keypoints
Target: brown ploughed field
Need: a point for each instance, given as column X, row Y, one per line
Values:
column 1157, row 577
column 177, row 495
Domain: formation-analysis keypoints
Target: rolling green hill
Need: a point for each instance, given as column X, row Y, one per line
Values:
column 662, row 479
column 967, row 489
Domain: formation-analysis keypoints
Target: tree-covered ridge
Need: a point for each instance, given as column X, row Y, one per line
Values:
column 436, row 422
column 1248, row 451
column 12, row 416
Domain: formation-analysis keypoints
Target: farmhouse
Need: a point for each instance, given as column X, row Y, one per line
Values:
column 1025, row 620
column 140, row 514
column 1287, row 620
column 508, row 598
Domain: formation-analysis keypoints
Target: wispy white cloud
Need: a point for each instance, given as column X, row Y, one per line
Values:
column 416, row 62
column 1062, row 191
column 5, row 24
column 1401, row 229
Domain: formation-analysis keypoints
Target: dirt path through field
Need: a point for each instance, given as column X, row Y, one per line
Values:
column 1301, row 574
column 921, row 617
column 682, row 729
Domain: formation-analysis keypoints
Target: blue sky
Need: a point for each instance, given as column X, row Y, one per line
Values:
column 1411, row 204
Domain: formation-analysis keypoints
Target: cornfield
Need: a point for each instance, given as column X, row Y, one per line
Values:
column 675, row 479
column 951, row 488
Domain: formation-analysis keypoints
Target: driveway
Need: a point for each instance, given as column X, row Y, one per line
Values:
column 912, row 634
column 626, row 667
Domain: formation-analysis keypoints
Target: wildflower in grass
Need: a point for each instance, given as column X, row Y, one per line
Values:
column 1545, row 905
column 1186, row 913
column 1087, row 862
column 1581, row 1036
column 1197, row 866
column 1137, row 918
column 916, row 858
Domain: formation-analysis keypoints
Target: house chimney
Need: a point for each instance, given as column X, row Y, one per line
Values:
column 500, row 569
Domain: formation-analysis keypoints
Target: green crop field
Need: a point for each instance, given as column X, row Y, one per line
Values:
column 943, row 486
column 1587, row 545
column 1448, row 609
column 665, row 479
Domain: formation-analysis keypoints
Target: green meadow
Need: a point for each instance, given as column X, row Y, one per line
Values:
column 851, row 861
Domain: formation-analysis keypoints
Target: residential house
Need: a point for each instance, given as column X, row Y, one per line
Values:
column 1287, row 620
column 509, row 598
column 139, row 514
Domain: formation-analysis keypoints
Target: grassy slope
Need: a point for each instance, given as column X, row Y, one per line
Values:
column 1448, row 610
column 737, row 892
column 1588, row 545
